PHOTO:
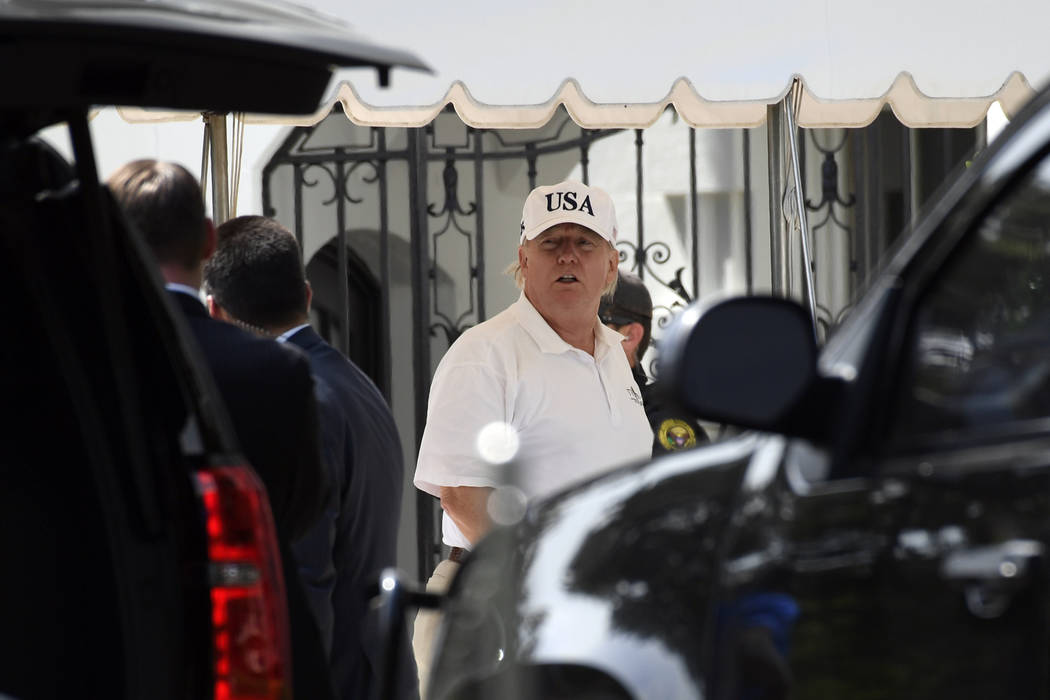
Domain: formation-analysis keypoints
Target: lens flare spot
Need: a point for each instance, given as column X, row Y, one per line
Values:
column 498, row 443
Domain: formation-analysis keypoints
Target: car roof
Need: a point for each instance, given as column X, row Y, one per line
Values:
column 264, row 56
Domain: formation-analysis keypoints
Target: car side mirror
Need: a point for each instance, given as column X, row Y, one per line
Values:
column 749, row 362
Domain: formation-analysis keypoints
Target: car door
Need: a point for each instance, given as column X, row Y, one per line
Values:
column 911, row 562
column 923, row 574
column 968, row 430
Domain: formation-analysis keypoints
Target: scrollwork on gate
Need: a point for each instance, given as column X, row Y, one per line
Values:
column 450, row 215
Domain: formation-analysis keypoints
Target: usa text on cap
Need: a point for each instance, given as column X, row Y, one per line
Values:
column 568, row 202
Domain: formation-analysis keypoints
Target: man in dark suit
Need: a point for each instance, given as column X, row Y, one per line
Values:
column 267, row 389
column 256, row 280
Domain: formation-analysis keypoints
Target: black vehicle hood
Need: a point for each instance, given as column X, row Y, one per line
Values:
column 616, row 574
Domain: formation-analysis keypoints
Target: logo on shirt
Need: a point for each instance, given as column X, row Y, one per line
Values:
column 675, row 434
column 633, row 394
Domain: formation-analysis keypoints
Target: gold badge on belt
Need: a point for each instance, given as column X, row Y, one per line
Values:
column 676, row 434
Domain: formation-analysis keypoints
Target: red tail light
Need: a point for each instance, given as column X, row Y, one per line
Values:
column 249, row 613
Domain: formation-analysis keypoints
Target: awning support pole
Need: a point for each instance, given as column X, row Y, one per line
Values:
column 215, row 125
column 791, row 102
column 779, row 231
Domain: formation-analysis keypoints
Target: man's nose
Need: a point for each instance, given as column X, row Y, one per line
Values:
column 567, row 253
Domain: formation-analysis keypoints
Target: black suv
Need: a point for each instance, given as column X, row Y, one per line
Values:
column 138, row 549
column 880, row 533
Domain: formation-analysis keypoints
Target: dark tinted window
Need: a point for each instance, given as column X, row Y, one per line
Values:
column 980, row 350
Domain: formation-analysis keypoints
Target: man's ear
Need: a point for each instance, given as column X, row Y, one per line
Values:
column 216, row 311
column 208, row 248
column 309, row 295
column 634, row 332
column 522, row 258
column 614, row 265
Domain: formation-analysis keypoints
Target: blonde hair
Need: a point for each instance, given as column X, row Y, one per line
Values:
column 515, row 271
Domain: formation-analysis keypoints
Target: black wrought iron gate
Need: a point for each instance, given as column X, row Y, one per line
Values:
column 324, row 180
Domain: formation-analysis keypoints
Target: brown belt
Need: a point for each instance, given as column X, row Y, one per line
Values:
column 458, row 554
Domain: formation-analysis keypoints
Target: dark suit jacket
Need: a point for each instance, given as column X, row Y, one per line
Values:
column 660, row 411
column 268, row 392
column 359, row 538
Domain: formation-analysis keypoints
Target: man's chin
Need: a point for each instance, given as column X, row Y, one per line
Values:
column 572, row 290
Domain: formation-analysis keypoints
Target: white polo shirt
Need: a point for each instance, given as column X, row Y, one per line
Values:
column 575, row 415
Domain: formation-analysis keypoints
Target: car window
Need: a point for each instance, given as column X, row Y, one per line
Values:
column 980, row 346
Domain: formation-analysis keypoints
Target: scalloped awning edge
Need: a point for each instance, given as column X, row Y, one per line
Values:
column 911, row 106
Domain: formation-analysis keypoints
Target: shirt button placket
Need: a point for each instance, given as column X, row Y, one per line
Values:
column 605, row 388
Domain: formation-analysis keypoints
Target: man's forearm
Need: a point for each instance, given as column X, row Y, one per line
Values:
column 468, row 508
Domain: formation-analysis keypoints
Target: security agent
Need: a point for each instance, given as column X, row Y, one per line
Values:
column 629, row 311
column 256, row 281
column 266, row 389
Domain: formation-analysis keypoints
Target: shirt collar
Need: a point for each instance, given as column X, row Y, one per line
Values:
column 606, row 340
column 283, row 337
column 183, row 289
column 548, row 339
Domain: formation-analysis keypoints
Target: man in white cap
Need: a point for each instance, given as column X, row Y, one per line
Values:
column 547, row 368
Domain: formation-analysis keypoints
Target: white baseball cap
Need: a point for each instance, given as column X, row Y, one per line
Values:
column 568, row 202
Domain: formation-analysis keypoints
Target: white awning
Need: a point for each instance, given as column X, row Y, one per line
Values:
column 719, row 63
